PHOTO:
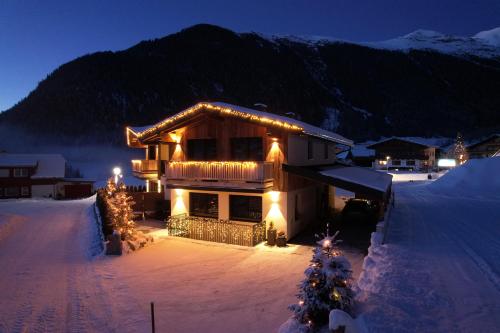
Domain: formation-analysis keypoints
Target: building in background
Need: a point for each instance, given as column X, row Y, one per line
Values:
column 405, row 153
column 484, row 148
column 39, row 175
column 217, row 161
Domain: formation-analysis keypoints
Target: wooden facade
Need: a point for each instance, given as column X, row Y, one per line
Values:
column 169, row 159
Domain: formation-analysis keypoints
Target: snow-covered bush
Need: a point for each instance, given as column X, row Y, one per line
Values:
column 327, row 286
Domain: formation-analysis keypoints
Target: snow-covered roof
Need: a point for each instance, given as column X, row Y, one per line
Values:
column 361, row 150
column 428, row 142
column 251, row 114
column 366, row 177
column 497, row 154
column 47, row 165
column 482, row 140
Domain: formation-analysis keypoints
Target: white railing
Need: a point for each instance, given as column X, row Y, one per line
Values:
column 144, row 166
column 227, row 170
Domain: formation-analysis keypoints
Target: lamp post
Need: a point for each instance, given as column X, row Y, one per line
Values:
column 118, row 173
column 387, row 158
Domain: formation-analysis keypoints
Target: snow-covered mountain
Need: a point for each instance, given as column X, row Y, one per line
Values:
column 484, row 44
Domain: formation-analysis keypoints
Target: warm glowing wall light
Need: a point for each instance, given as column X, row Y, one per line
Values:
column 275, row 196
column 178, row 192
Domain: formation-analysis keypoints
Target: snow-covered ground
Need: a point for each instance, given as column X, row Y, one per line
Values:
column 52, row 281
column 439, row 270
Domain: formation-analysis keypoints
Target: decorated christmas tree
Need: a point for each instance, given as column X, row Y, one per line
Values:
column 459, row 150
column 121, row 210
column 327, row 285
column 110, row 187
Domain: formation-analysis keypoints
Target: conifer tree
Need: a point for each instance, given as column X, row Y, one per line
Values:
column 327, row 285
column 121, row 210
column 459, row 150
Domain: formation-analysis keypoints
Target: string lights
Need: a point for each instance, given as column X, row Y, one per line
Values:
column 221, row 110
column 213, row 230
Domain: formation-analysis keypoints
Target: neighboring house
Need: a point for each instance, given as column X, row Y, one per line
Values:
column 361, row 156
column 217, row 161
column 39, row 175
column 484, row 148
column 405, row 153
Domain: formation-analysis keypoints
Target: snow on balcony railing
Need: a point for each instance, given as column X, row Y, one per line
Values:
column 226, row 170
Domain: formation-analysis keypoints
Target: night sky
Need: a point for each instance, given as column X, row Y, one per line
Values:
column 38, row 36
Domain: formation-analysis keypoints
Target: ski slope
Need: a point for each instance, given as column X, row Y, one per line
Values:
column 439, row 270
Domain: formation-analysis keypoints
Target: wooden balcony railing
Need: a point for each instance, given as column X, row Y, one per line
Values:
column 223, row 171
column 145, row 166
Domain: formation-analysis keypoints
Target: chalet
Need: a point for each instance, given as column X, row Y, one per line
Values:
column 39, row 175
column 404, row 153
column 222, row 162
column 484, row 148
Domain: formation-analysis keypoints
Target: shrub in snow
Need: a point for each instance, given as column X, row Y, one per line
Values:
column 327, row 285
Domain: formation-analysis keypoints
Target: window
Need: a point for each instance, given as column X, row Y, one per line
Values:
column 12, row 191
column 151, row 152
column 246, row 149
column 20, row 172
column 410, row 162
column 204, row 205
column 202, row 149
column 325, row 152
column 4, row 173
column 245, row 208
column 25, row 190
column 310, row 149
column 396, row 162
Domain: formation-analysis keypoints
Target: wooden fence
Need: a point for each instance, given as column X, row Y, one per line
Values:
column 213, row 230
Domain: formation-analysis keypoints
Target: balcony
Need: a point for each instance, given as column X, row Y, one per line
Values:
column 220, row 174
column 145, row 169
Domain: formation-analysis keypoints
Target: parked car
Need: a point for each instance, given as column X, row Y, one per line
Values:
column 360, row 211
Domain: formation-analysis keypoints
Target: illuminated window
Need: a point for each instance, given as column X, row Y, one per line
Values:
column 204, row 205
column 202, row 149
column 245, row 208
column 246, row 149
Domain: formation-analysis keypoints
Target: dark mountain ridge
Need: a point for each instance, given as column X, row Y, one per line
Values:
column 358, row 91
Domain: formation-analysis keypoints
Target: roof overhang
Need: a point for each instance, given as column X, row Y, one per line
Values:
column 137, row 135
column 366, row 183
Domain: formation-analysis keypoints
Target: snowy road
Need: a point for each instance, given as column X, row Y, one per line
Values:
column 440, row 271
column 51, row 283
column 46, row 283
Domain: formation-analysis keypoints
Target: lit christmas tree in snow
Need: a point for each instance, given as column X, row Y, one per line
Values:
column 459, row 150
column 327, row 285
column 121, row 211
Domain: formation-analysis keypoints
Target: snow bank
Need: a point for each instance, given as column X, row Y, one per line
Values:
column 476, row 178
